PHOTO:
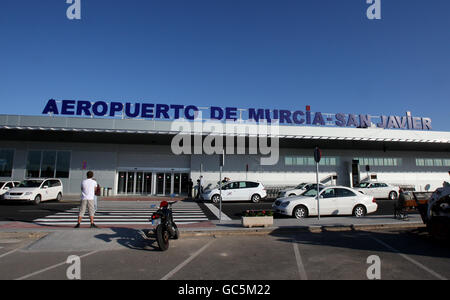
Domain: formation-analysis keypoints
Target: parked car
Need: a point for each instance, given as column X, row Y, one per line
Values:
column 379, row 190
column 334, row 200
column 36, row 190
column 237, row 191
column 299, row 189
column 6, row 186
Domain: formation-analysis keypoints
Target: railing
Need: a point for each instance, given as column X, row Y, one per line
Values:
column 273, row 191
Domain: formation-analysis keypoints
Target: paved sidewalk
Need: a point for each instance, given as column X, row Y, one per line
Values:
column 338, row 223
column 313, row 224
column 113, row 238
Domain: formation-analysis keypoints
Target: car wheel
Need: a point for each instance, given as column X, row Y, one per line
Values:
column 215, row 199
column 392, row 195
column 256, row 198
column 37, row 199
column 300, row 212
column 359, row 211
column 59, row 197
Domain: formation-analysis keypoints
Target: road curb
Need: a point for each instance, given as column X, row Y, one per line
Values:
column 296, row 229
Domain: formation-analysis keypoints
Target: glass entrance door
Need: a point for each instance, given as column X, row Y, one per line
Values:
column 168, row 184
column 130, row 182
column 122, row 183
column 159, row 184
column 149, row 183
column 134, row 183
column 180, row 183
column 139, row 183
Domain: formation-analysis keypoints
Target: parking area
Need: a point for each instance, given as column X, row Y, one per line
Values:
column 123, row 253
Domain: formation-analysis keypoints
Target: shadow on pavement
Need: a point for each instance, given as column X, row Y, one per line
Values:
column 131, row 238
column 408, row 242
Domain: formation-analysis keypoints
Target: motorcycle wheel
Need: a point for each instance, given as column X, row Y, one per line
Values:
column 162, row 237
column 177, row 232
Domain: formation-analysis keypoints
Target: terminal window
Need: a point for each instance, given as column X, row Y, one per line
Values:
column 6, row 162
column 432, row 162
column 379, row 161
column 309, row 161
column 46, row 164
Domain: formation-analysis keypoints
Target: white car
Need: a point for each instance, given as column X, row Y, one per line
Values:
column 379, row 190
column 237, row 191
column 36, row 190
column 333, row 200
column 5, row 186
column 299, row 189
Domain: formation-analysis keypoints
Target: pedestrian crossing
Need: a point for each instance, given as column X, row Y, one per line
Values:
column 120, row 216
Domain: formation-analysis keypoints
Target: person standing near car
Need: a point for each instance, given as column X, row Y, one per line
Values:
column 190, row 186
column 88, row 188
column 201, row 184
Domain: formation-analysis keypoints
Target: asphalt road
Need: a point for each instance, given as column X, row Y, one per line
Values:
column 407, row 254
column 25, row 212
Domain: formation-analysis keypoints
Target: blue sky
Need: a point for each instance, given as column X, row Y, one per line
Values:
column 282, row 54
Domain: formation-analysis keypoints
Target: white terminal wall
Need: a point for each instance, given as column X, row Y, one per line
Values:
column 282, row 175
column 107, row 159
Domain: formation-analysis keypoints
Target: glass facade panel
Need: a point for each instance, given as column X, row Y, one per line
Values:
column 62, row 164
column 48, row 164
column 6, row 163
column 33, row 164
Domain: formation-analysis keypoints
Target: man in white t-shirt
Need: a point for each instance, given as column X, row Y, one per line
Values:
column 88, row 187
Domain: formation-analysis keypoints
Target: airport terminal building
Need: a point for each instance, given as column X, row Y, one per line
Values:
column 133, row 154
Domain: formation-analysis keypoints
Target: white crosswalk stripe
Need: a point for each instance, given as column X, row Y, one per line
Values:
column 117, row 216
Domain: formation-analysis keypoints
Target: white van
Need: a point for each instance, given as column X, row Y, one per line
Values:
column 36, row 190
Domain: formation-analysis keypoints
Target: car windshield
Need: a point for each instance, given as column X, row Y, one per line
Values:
column 300, row 186
column 30, row 183
column 311, row 192
column 363, row 185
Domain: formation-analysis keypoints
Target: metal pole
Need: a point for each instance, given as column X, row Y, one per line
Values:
column 317, row 177
column 220, row 191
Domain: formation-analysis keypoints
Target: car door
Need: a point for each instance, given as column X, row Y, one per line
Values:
column 6, row 187
column 327, row 202
column 345, row 201
column 243, row 193
column 371, row 190
column 45, row 190
column 54, row 188
column 229, row 191
column 378, row 190
column 385, row 190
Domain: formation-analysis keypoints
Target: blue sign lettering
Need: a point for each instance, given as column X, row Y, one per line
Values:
column 257, row 115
